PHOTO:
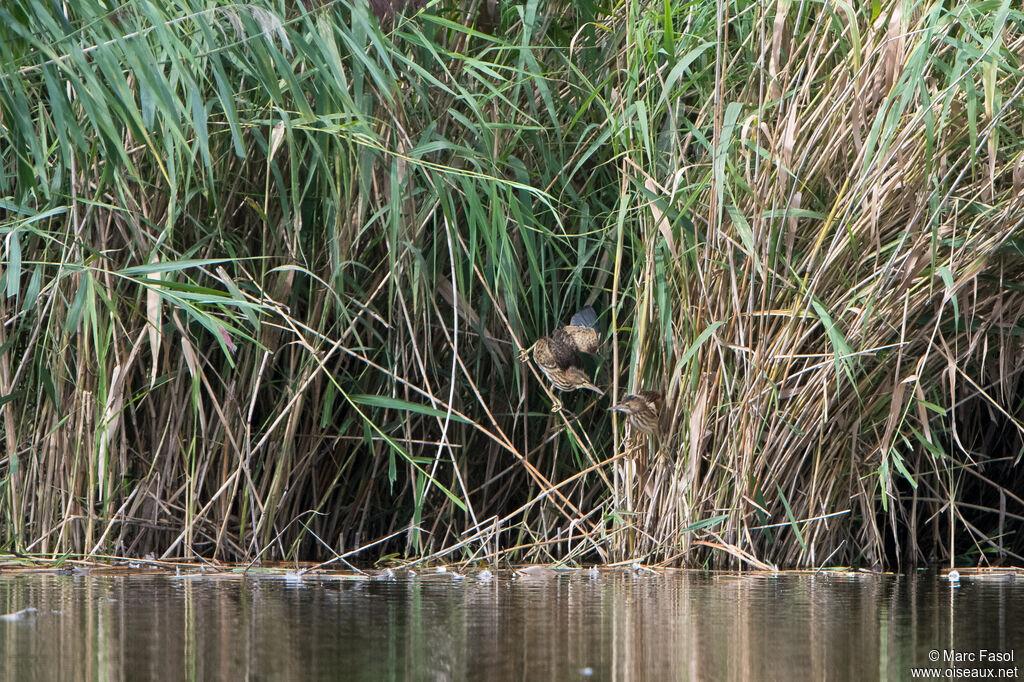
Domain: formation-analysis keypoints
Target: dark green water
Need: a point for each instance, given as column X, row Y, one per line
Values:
column 612, row 625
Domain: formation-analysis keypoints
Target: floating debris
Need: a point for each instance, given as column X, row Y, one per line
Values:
column 535, row 572
column 485, row 576
column 954, row 577
column 989, row 573
column 640, row 568
column 19, row 615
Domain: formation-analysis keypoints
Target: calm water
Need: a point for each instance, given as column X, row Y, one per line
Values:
column 616, row 625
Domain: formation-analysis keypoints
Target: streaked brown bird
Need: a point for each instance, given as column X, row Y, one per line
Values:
column 557, row 355
column 581, row 331
column 571, row 378
column 643, row 411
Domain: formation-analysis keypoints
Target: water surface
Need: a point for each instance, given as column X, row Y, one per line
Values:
column 607, row 625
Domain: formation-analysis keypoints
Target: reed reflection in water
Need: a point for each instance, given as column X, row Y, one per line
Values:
column 615, row 625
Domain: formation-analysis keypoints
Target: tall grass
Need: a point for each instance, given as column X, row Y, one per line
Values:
column 268, row 269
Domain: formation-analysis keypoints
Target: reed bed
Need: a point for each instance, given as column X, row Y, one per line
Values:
column 268, row 268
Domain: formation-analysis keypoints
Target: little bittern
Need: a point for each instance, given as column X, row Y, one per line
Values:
column 643, row 411
column 582, row 330
column 556, row 355
column 571, row 378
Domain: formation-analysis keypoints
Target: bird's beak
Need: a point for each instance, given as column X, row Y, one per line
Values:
column 593, row 388
column 618, row 408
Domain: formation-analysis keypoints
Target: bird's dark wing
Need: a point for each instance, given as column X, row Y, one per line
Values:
column 654, row 400
column 582, row 329
column 585, row 317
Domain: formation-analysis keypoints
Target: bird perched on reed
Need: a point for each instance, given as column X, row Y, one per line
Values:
column 643, row 411
column 557, row 355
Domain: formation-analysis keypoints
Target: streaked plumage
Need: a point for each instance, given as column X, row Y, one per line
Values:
column 552, row 352
column 570, row 379
column 582, row 330
column 556, row 355
column 643, row 411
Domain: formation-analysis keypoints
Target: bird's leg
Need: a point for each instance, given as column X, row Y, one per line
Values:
column 556, row 405
column 524, row 354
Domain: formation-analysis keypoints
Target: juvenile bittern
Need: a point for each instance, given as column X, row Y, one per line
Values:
column 571, row 378
column 557, row 355
column 643, row 411
column 643, row 416
column 581, row 332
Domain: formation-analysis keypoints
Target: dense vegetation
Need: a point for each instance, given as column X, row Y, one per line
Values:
column 268, row 268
